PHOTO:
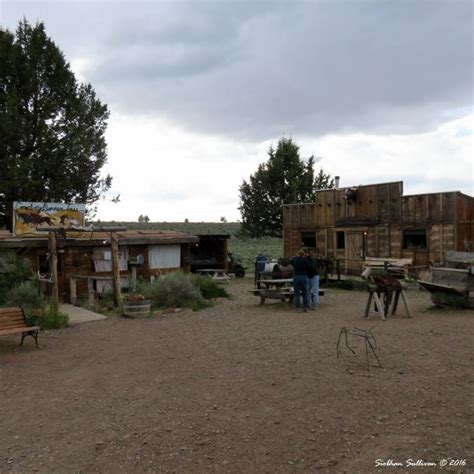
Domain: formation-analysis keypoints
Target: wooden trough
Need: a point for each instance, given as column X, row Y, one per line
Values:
column 451, row 287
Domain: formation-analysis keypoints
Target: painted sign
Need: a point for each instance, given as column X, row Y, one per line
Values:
column 28, row 216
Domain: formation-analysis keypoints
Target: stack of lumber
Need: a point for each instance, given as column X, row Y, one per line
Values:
column 395, row 266
column 460, row 260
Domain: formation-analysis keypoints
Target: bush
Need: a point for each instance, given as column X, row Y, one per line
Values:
column 106, row 298
column 209, row 288
column 26, row 294
column 13, row 271
column 52, row 319
column 172, row 290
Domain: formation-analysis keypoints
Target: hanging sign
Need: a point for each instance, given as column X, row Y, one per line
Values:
column 28, row 216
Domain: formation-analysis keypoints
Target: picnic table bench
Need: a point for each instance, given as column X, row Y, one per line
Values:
column 217, row 274
column 280, row 289
column 13, row 321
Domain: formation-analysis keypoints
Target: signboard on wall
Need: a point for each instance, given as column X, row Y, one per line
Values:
column 28, row 216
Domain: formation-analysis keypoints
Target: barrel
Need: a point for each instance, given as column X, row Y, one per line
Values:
column 137, row 309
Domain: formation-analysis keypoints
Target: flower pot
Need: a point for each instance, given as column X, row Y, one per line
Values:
column 138, row 309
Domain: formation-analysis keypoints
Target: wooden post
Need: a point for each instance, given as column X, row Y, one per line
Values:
column 54, row 271
column 115, row 268
column 90, row 291
column 405, row 302
column 134, row 275
column 73, row 288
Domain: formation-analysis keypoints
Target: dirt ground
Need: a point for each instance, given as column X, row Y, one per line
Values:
column 242, row 388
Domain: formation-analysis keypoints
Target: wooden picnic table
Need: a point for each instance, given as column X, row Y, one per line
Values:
column 279, row 288
column 277, row 283
column 217, row 274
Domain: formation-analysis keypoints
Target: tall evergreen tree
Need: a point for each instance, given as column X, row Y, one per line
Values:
column 284, row 179
column 52, row 144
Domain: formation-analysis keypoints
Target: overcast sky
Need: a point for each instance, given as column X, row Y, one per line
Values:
column 198, row 90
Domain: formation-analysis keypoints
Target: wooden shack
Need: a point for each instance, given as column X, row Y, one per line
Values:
column 210, row 252
column 151, row 253
column 379, row 221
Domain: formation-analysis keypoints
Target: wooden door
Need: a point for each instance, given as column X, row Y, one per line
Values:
column 355, row 251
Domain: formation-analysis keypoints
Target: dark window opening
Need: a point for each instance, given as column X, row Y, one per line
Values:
column 44, row 267
column 340, row 240
column 308, row 239
column 415, row 239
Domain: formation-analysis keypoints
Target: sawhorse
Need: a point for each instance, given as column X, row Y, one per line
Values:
column 375, row 293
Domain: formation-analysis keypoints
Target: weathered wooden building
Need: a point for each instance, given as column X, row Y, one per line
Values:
column 379, row 221
column 210, row 252
column 151, row 253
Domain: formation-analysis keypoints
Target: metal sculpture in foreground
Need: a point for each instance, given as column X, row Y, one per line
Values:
column 369, row 340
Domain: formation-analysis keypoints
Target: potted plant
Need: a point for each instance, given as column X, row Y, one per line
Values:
column 135, row 304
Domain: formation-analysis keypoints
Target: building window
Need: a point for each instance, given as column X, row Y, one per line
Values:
column 340, row 240
column 164, row 256
column 415, row 239
column 102, row 257
column 308, row 239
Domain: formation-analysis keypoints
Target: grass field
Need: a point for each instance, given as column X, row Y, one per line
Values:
column 246, row 248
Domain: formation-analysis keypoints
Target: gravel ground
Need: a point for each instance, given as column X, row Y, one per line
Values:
column 241, row 388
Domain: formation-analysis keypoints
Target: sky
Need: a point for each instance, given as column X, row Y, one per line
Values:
column 198, row 91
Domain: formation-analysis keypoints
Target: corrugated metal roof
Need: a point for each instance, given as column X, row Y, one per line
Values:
column 136, row 237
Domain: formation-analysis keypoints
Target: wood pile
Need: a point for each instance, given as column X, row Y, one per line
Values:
column 397, row 267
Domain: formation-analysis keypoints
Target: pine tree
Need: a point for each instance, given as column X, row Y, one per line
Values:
column 284, row 179
column 52, row 144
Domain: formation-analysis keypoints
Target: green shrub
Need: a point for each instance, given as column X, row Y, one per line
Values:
column 52, row 318
column 26, row 294
column 106, row 298
column 13, row 271
column 209, row 288
column 172, row 290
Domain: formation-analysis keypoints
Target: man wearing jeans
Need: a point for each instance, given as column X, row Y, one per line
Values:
column 300, row 280
column 313, row 280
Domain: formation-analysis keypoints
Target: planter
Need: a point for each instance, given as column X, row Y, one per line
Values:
column 137, row 309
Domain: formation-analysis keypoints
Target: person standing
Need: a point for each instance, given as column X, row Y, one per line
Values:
column 300, row 280
column 260, row 262
column 313, row 280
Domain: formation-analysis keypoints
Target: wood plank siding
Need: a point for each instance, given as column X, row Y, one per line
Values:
column 379, row 221
column 76, row 254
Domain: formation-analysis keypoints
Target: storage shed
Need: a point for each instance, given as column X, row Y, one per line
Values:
column 379, row 221
column 210, row 252
column 152, row 253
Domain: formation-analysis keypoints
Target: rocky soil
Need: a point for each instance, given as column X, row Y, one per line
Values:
column 242, row 388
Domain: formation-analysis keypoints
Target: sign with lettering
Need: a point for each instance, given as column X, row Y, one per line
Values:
column 28, row 216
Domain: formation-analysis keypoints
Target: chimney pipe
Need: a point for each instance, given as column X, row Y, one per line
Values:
column 336, row 182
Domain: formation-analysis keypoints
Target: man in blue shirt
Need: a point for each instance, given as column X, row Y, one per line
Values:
column 300, row 280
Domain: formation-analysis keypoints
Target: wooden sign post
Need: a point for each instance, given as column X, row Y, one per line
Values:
column 116, row 268
column 54, row 260
column 53, row 252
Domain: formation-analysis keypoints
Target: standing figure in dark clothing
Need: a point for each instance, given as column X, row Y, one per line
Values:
column 300, row 280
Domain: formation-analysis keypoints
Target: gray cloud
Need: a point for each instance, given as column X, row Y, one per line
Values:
column 260, row 69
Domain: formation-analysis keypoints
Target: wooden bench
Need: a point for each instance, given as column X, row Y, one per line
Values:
column 281, row 294
column 13, row 321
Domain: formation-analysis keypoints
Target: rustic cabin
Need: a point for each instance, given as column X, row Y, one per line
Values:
column 377, row 220
column 86, row 258
column 210, row 252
